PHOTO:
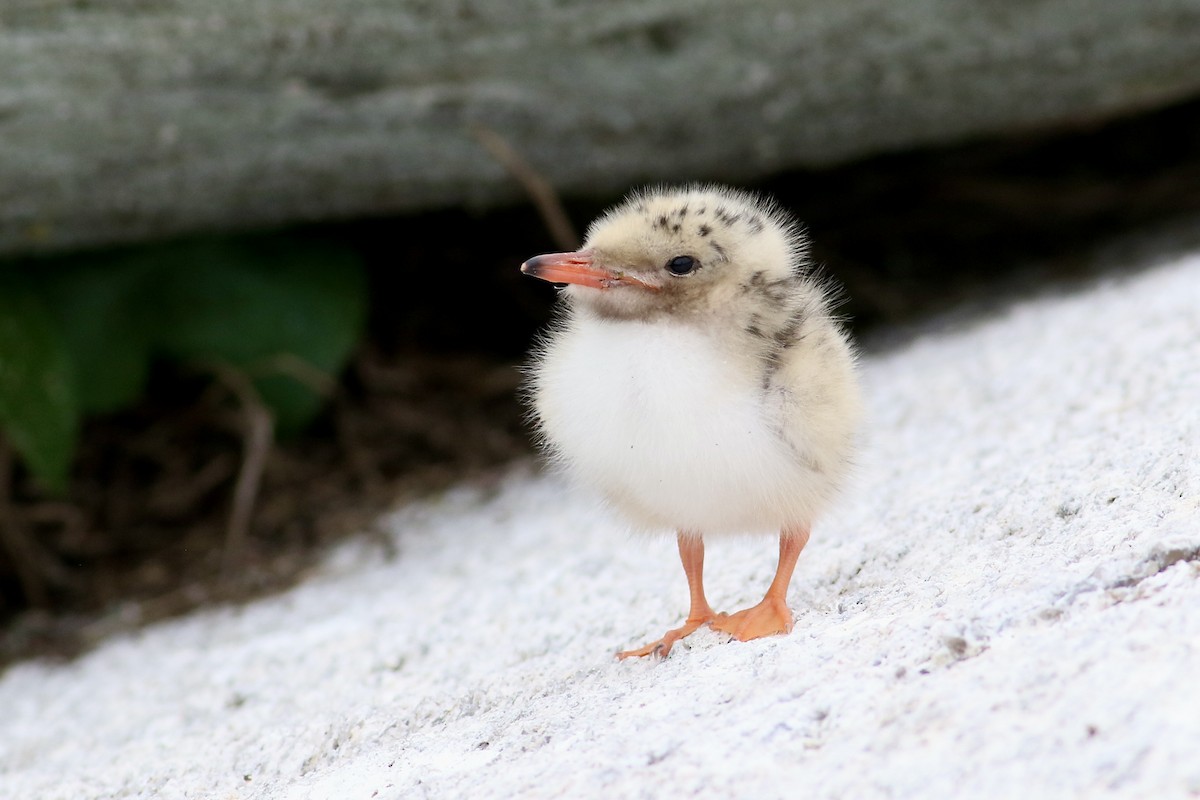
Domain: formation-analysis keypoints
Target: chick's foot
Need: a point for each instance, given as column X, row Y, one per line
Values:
column 662, row 647
column 768, row 618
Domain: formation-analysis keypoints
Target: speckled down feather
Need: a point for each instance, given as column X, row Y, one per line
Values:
column 722, row 400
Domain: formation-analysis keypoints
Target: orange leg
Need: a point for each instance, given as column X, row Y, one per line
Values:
column 691, row 553
column 771, row 615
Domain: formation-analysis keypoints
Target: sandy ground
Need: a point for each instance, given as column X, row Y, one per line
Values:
column 1006, row 604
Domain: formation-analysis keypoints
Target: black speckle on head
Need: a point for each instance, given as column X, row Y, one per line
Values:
column 726, row 217
column 756, row 224
column 683, row 211
column 782, row 338
column 754, row 327
column 662, row 221
column 704, row 230
column 775, row 292
column 785, row 337
column 720, row 251
column 676, row 227
column 701, row 211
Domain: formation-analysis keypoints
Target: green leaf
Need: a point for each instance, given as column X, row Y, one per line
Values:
column 108, row 331
column 280, row 310
column 38, row 412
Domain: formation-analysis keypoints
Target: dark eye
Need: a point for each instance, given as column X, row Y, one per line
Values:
column 681, row 265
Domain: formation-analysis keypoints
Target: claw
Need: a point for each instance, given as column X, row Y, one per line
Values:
column 662, row 648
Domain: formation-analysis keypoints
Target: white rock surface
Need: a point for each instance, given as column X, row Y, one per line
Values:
column 1005, row 605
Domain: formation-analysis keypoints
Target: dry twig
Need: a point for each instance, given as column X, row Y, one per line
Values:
column 544, row 198
column 258, row 436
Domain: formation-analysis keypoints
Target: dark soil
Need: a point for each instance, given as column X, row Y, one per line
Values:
column 430, row 399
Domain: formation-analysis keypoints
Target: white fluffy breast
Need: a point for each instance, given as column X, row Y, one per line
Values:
column 673, row 429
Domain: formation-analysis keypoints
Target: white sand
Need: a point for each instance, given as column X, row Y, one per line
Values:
column 1007, row 604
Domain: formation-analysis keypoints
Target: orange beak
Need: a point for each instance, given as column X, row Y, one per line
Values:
column 578, row 268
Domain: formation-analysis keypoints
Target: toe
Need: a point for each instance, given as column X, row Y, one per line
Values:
column 765, row 619
column 727, row 623
column 641, row 652
column 660, row 649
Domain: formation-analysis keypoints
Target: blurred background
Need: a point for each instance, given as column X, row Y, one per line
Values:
column 258, row 258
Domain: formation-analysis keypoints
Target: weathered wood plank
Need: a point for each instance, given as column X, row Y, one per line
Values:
column 131, row 119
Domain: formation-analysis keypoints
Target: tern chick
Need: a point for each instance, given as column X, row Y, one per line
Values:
column 697, row 379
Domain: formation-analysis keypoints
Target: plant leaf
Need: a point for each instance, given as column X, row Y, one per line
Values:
column 38, row 411
column 97, row 303
column 265, row 306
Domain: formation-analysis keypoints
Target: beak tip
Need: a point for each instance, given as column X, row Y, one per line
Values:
column 570, row 268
